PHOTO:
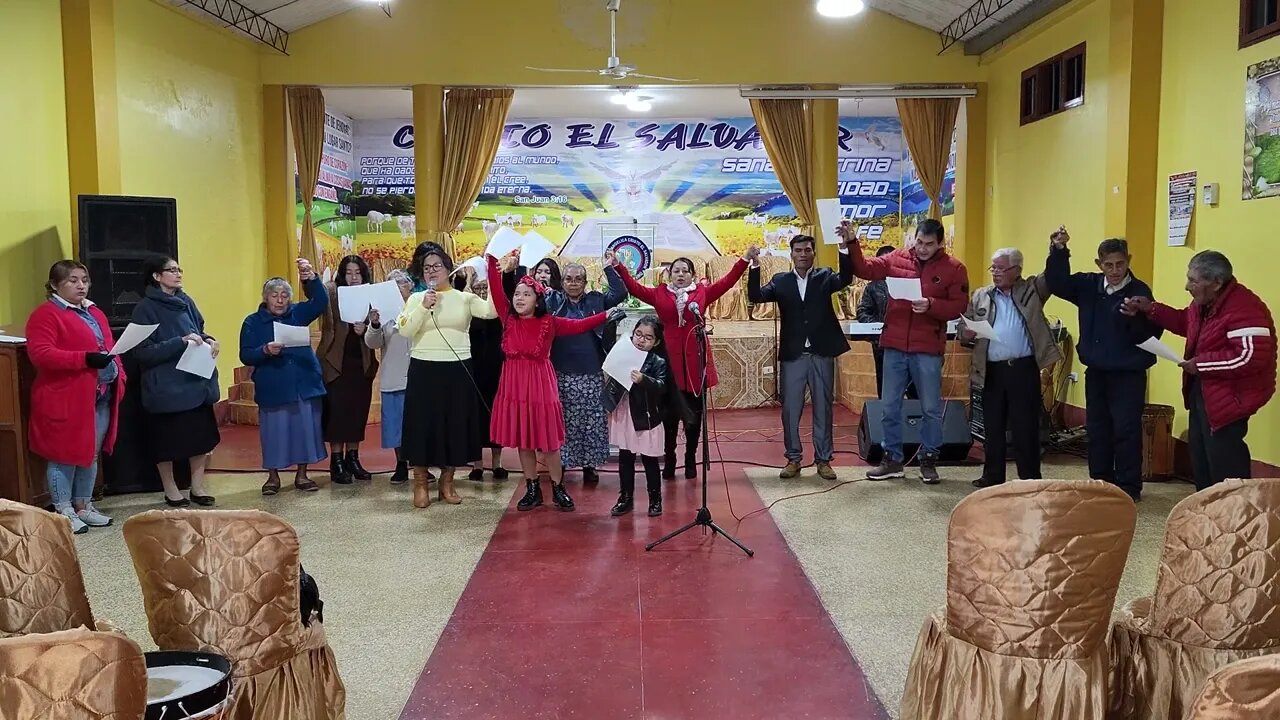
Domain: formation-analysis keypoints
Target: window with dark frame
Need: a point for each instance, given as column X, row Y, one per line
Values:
column 1259, row 20
column 1053, row 86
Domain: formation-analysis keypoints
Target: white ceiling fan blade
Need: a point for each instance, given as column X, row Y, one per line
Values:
column 659, row 77
column 561, row 70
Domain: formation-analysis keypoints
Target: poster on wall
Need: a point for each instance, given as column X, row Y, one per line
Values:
column 329, row 210
column 1262, row 131
column 1182, row 207
column 915, row 201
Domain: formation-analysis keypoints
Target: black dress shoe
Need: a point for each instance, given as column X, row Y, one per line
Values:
column 202, row 500
column 476, row 474
column 655, row 504
column 179, row 503
column 669, row 466
column 590, row 476
column 272, row 485
column 561, row 498
column 623, row 506
column 338, row 470
column 355, row 468
column 985, row 483
column 500, row 474
column 401, row 475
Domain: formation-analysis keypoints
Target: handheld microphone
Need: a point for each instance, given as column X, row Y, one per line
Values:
column 693, row 308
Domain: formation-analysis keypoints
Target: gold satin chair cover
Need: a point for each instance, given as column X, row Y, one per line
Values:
column 769, row 266
column 1217, row 600
column 733, row 304
column 41, row 588
column 1244, row 690
column 227, row 582
column 72, row 675
column 1032, row 573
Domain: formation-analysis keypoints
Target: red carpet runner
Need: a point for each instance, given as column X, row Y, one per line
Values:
column 567, row 616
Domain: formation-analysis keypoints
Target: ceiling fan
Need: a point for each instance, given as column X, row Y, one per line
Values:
column 616, row 69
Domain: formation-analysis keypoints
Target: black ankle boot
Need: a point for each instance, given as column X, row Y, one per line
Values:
column 354, row 467
column 669, row 466
column 624, row 505
column 590, row 476
column 691, row 464
column 655, row 503
column 560, row 497
column 532, row 496
column 401, row 475
column 338, row 471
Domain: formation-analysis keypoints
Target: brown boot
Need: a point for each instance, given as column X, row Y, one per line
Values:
column 421, row 495
column 446, row 487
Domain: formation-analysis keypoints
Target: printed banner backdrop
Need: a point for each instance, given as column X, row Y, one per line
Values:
column 1262, row 131
column 699, row 187
column 330, row 213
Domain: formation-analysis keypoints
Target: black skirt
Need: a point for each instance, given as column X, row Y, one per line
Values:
column 486, row 363
column 181, row 435
column 348, row 397
column 441, row 415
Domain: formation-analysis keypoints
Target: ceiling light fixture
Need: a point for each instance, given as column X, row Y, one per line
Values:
column 840, row 8
column 623, row 97
column 640, row 105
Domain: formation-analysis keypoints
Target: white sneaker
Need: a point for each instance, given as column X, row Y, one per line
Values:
column 92, row 517
column 77, row 525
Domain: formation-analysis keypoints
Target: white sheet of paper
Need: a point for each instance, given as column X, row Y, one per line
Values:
column 353, row 303
column 292, row 335
column 535, row 248
column 198, row 360
column 981, row 328
column 503, row 242
column 386, row 299
column 1160, row 350
column 132, row 337
column 12, row 339
column 829, row 217
column 904, row 288
column 622, row 359
column 861, row 328
column 477, row 264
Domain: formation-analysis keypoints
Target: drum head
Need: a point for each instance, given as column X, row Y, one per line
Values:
column 185, row 684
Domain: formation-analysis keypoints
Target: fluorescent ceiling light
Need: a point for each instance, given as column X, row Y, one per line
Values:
column 858, row 92
column 640, row 106
column 622, row 98
column 840, row 8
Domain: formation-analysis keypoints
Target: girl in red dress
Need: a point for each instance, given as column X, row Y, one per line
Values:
column 672, row 303
column 526, row 411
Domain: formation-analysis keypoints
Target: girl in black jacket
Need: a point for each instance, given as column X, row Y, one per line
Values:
column 635, row 415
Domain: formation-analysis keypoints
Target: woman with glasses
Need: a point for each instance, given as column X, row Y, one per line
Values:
column 349, row 367
column 442, row 404
column 395, row 374
column 179, row 405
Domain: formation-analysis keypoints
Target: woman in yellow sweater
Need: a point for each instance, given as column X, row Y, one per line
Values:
column 442, row 405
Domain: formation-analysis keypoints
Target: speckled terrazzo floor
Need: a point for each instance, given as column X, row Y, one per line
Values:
column 876, row 553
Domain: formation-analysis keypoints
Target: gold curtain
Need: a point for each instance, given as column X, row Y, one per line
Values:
column 928, row 125
column 306, row 117
column 473, row 120
column 786, row 126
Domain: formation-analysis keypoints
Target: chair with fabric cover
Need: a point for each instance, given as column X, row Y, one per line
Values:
column 72, row 675
column 770, row 265
column 733, row 304
column 1032, row 573
column 41, row 588
column 227, row 582
column 1217, row 600
column 1244, row 690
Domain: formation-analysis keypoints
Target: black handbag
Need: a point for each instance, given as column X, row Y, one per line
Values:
column 309, row 598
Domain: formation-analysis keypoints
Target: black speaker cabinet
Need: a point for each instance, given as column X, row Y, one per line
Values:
column 116, row 234
column 956, row 440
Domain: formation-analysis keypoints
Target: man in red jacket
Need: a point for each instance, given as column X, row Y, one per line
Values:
column 914, row 339
column 1230, row 368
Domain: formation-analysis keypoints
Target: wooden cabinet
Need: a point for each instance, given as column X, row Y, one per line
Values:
column 22, row 473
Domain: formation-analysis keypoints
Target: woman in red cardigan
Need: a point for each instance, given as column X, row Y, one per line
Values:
column 673, row 304
column 75, row 399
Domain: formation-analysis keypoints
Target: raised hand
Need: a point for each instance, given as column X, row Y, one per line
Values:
column 753, row 254
column 1060, row 237
column 375, row 318
column 305, row 271
column 609, row 258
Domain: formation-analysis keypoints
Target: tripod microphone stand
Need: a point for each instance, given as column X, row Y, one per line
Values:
column 703, row 518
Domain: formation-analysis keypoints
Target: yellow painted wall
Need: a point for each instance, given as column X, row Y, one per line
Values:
column 190, row 104
column 1202, row 129
column 1051, row 172
column 714, row 41
column 35, row 213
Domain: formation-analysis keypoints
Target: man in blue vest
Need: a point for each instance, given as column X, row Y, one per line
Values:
column 1116, row 378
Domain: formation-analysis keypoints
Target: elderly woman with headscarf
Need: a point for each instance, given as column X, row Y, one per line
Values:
column 349, row 367
column 442, row 408
column 287, row 382
column 385, row 336
column 1230, row 368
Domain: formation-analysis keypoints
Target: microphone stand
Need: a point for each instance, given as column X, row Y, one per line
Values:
column 703, row 518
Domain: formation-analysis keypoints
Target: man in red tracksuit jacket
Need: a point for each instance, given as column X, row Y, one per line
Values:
column 1230, row 367
column 914, row 339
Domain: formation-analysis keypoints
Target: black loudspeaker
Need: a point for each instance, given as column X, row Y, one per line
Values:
column 116, row 234
column 956, row 440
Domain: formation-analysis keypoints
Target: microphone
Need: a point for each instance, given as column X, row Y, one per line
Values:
column 693, row 308
column 431, row 286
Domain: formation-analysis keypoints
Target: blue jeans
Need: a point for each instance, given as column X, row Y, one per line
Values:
column 901, row 368
column 69, row 482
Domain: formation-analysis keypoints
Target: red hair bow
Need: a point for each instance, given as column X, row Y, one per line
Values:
column 538, row 288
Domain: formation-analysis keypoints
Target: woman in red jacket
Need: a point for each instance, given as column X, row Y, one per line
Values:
column 674, row 303
column 75, row 399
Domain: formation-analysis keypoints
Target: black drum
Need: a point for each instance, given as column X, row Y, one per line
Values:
column 182, row 685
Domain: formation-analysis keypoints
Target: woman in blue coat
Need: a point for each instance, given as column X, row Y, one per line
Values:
column 287, row 383
column 179, row 405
